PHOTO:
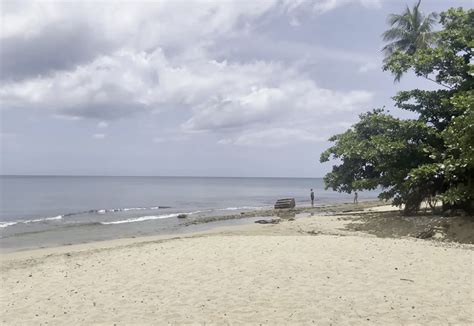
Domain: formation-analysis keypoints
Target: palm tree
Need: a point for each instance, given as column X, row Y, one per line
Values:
column 409, row 32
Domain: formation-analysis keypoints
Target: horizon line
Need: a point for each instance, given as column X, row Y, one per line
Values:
column 151, row 176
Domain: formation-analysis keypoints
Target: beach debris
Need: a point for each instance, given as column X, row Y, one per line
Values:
column 426, row 233
column 272, row 221
column 313, row 232
column 182, row 216
column 285, row 203
column 406, row 279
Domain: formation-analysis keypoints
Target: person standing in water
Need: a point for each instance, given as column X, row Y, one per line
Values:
column 356, row 197
column 312, row 198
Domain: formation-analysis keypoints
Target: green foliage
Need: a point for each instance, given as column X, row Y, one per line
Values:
column 428, row 158
column 458, row 159
column 449, row 60
column 409, row 32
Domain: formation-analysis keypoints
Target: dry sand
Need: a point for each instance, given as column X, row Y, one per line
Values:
column 296, row 272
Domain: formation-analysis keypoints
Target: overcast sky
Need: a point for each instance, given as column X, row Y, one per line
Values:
column 221, row 88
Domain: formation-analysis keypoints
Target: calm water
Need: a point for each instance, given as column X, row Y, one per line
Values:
column 34, row 209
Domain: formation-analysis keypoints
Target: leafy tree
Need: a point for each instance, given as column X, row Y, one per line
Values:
column 410, row 31
column 431, row 157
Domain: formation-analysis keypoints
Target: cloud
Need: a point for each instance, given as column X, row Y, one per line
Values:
column 328, row 5
column 99, row 136
column 23, row 57
column 102, row 125
column 107, row 61
column 220, row 96
column 127, row 83
column 39, row 38
column 273, row 137
column 368, row 66
column 109, row 88
column 291, row 101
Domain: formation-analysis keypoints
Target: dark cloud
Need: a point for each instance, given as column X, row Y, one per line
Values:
column 104, row 111
column 117, row 103
column 56, row 47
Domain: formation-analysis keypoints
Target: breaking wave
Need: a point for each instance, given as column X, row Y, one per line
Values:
column 5, row 224
column 37, row 220
column 140, row 219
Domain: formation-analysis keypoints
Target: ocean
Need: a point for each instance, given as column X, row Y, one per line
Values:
column 55, row 210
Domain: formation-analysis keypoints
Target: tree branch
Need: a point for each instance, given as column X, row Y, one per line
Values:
column 437, row 82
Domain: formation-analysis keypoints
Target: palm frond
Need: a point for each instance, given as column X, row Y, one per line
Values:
column 409, row 30
column 394, row 34
column 393, row 19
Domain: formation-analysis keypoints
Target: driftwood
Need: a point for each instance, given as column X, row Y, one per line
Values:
column 272, row 221
column 285, row 203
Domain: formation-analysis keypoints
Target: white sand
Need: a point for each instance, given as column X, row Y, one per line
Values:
column 273, row 274
column 384, row 208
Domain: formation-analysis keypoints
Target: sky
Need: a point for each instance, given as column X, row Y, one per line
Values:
column 189, row 88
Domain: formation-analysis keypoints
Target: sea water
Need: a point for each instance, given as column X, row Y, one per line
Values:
column 37, row 210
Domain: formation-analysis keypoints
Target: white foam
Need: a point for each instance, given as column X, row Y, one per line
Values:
column 103, row 211
column 43, row 219
column 132, row 209
column 139, row 208
column 5, row 224
column 238, row 208
column 140, row 219
column 148, row 218
column 38, row 220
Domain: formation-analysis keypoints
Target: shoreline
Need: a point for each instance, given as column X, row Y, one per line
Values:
column 350, row 221
column 370, row 217
column 310, row 269
column 87, row 233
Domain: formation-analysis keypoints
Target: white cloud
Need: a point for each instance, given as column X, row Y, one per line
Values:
column 102, row 125
column 273, row 137
column 219, row 95
column 328, row 5
column 140, row 24
column 294, row 101
column 156, row 56
column 145, row 20
column 99, row 136
column 369, row 66
column 109, row 87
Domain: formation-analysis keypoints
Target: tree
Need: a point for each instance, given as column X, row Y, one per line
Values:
column 410, row 31
column 424, row 158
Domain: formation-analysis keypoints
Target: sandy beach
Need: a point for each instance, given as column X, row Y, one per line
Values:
column 309, row 270
column 269, row 162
